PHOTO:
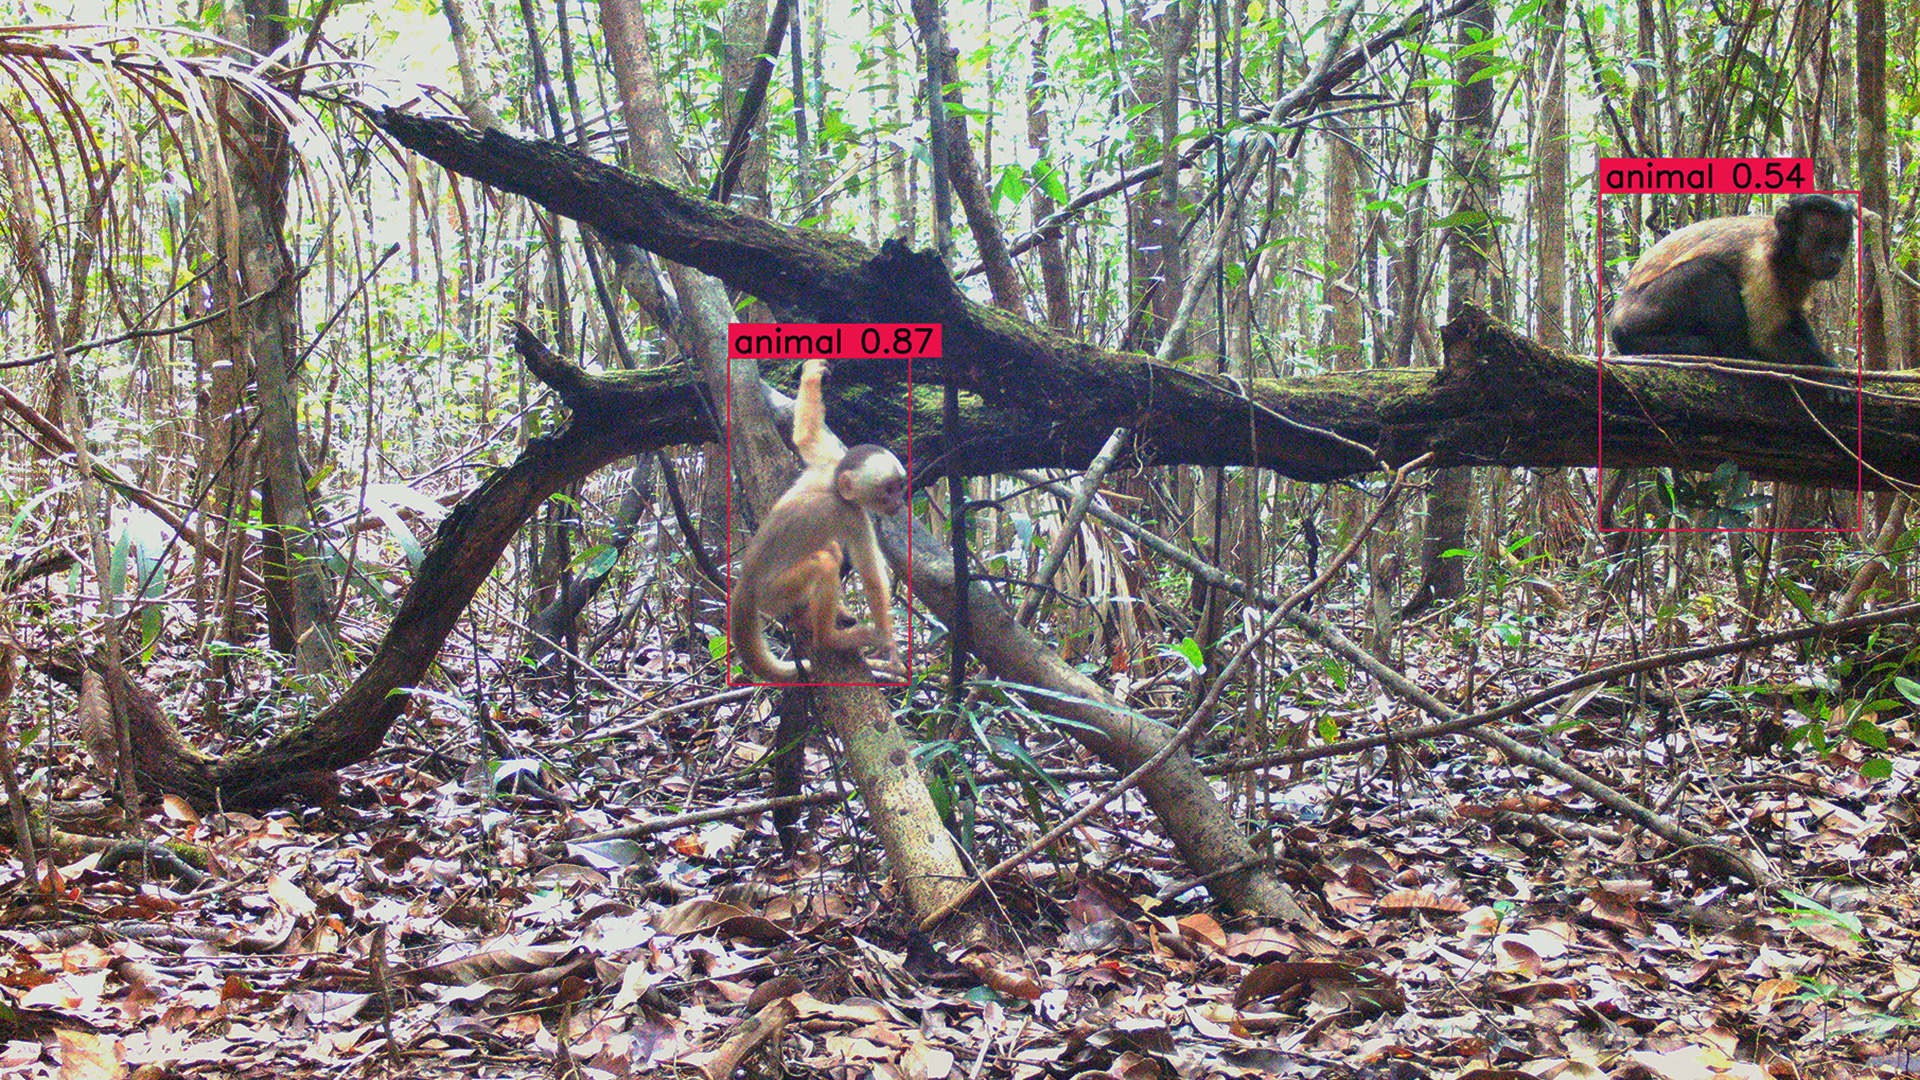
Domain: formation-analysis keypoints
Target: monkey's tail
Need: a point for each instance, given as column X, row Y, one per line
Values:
column 750, row 639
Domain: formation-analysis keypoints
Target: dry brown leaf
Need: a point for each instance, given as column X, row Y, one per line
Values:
column 1204, row 929
column 1347, row 985
column 1696, row 1063
column 1000, row 980
column 493, row 964
column 87, row 1056
column 95, row 716
column 695, row 916
column 1422, row 900
column 1614, row 909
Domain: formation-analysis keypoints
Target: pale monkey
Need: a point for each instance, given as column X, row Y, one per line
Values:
column 792, row 564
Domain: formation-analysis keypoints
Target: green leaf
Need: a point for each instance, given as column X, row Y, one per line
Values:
column 1798, row 597
column 33, row 504
column 596, row 561
column 1015, row 750
column 942, row 794
column 1811, row 911
column 117, row 564
column 385, row 501
column 1051, row 180
column 1191, row 652
column 1478, row 47
column 1071, row 699
column 460, row 706
column 152, row 621
column 1907, row 688
column 1460, row 218
column 1012, row 187
column 1866, row 731
column 402, row 535
column 607, row 854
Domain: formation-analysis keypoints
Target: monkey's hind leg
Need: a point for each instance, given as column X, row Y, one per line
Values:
column 819, row 604
column 815, row 584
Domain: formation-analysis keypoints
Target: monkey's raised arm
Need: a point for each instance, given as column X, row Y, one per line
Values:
column 817, row 443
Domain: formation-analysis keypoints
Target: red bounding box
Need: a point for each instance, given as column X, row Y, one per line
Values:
column 1705, row 176
column 1616, row 177
column 833, row 341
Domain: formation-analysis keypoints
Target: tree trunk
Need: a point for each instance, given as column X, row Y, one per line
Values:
column 1052, row 253
column 1556, row 520
column 1450, row 494
column 299, row 603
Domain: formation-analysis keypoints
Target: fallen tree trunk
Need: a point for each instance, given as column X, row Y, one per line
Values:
column 1046, row 401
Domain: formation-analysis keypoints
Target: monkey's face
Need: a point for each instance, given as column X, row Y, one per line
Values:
column 890, row 495
column 1821, row 243
column 872, row 477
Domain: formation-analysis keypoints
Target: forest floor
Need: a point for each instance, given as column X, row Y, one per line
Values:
column 1484, row 924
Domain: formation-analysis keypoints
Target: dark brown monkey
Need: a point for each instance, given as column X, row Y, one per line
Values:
column 1736, row 286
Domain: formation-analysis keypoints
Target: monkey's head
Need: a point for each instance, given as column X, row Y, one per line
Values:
column 871, row 477
column 1814, row 233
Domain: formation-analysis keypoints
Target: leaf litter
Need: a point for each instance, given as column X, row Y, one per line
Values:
column 1488, row 924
